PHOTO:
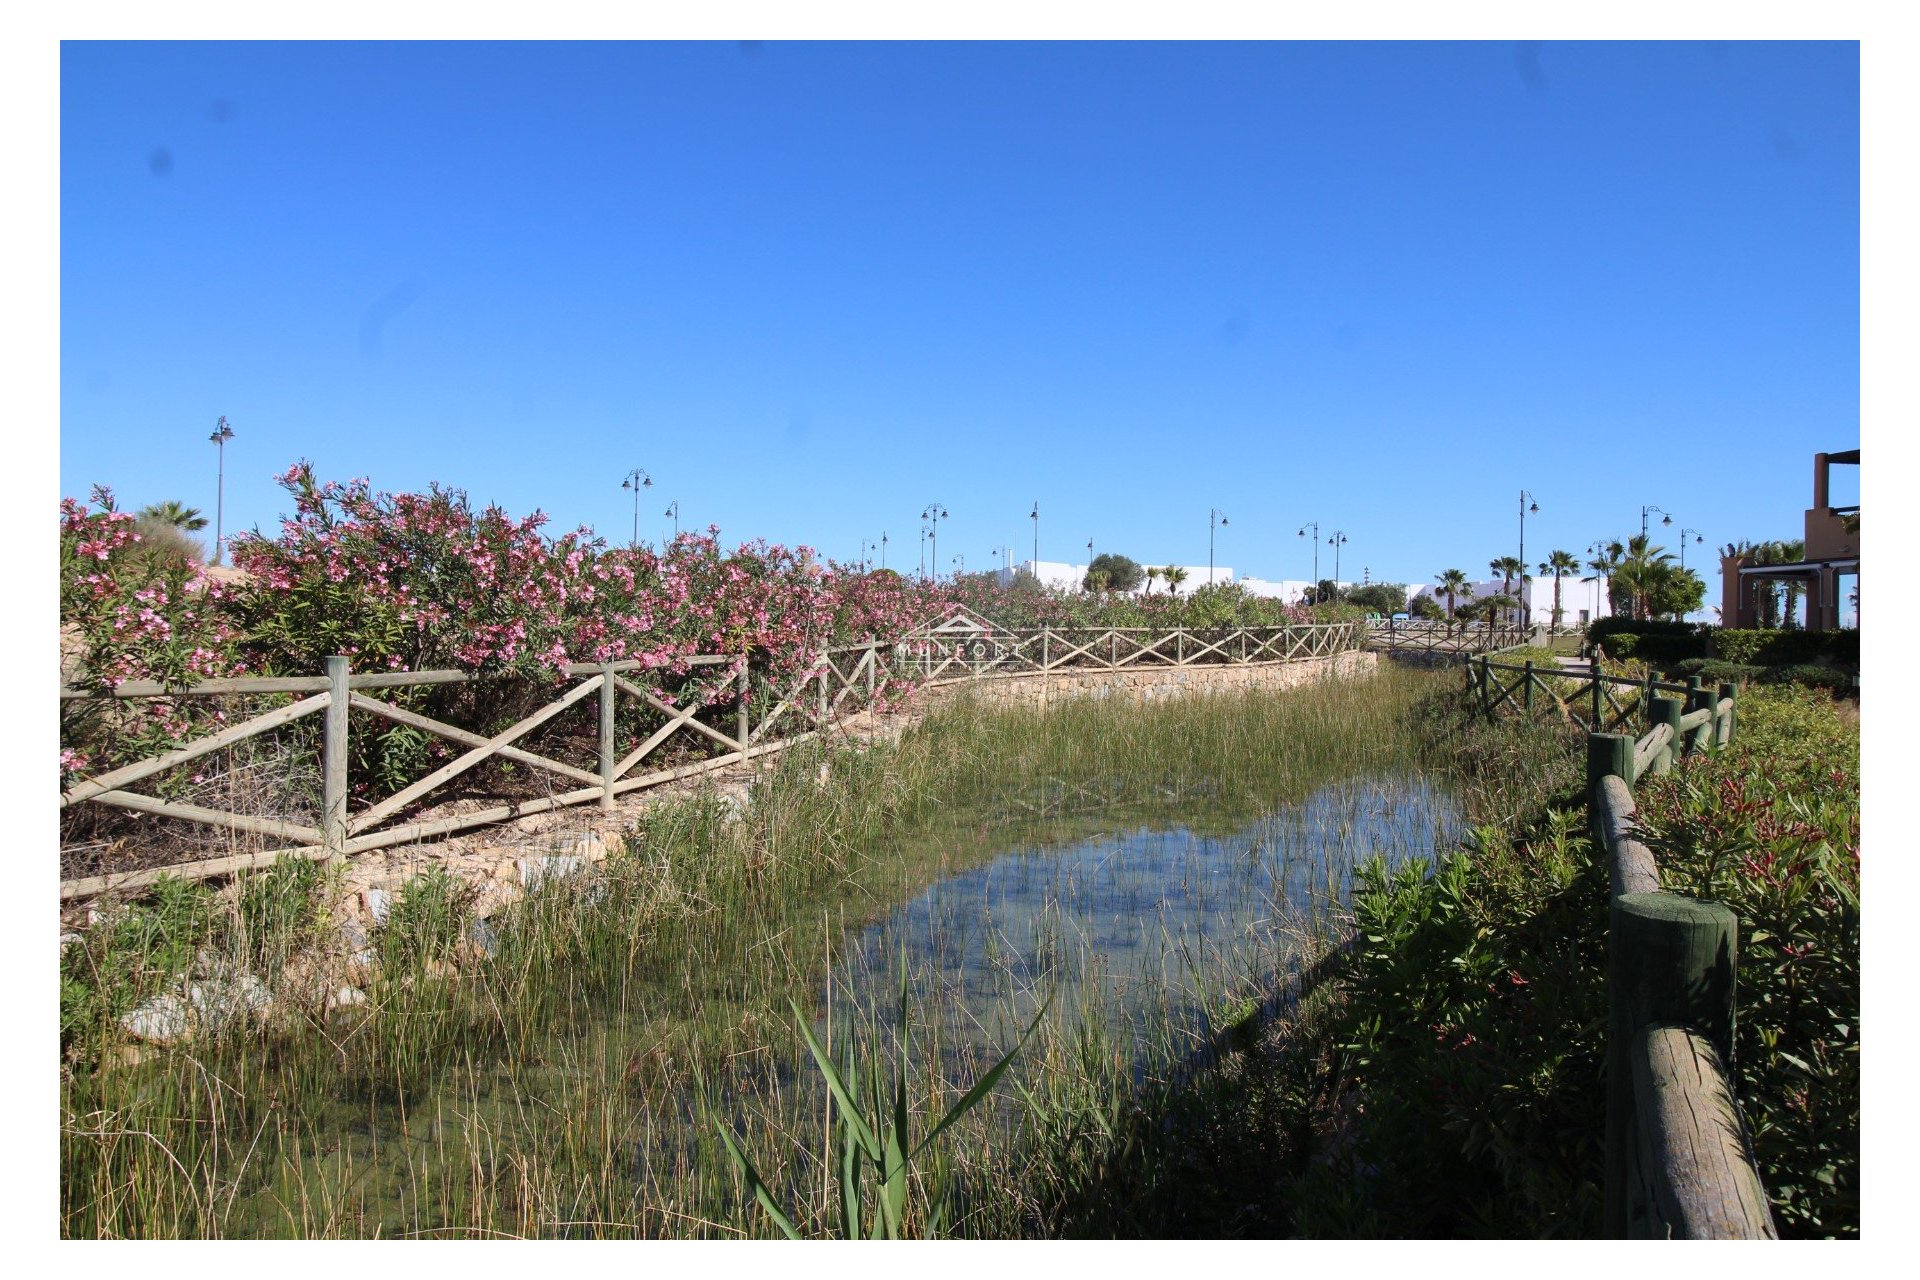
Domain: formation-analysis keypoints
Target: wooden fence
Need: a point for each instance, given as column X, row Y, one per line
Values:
column 838, row 681
column 1679, row 1161
column 825, row 688
column 967, row 648
column 1439, row 639
column 1600, row 702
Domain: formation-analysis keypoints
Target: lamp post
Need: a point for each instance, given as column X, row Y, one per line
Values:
column 1697, row 538
column 1212, row 515
column 1526, row 606
column 883, row 548
column 1034, row 515
column 674, row 511
column 933, row 515
column 864, row 544
column 1314, row 589
column 960, row 566
column 1598, row 550
column 1664, row 518
column 1006, row 561
column 1337, row 541
column 221, row 434
column 636, row 480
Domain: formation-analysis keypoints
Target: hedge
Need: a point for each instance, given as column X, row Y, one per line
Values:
column 1788, row 648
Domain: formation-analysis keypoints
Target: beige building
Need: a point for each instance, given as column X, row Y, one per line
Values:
column 1829, row 570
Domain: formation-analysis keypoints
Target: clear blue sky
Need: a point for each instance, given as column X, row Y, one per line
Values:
column 811, row 287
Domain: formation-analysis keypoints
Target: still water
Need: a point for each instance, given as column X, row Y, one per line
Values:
column 1132, row 909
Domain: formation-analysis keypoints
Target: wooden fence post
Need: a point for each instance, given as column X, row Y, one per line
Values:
column 873, row 660
column 1179, row 646
column 826, row 665
column 607, row 690
column 1607, row 753
column 1046, row 650
column 745, row 661
column 1669, row 959
column 1700, row 740
column 1666, row 711
column 1599, row 696
column 1727, row 692
column 333, row 761
column 1526, row 689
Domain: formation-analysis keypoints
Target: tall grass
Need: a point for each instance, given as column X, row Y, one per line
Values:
column 554, row 1085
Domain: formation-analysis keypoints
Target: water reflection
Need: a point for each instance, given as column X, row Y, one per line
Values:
column 1098, row 901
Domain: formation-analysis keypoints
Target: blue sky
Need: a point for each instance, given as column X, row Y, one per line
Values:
column 812, row 287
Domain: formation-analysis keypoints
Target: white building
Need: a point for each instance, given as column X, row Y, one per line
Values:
column 1580, row 602
column 1068, row 577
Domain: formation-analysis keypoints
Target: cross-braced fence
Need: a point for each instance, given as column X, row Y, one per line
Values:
column 601, row 731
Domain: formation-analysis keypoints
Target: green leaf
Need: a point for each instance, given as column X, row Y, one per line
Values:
column 756, row 1184
column 984, row 1084
column 849, row 1112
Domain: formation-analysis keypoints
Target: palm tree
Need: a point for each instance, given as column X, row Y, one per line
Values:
column 1603, row 566
column 180, row 516
column 1559, row 564
column 1453, row 583
column 1174, row 575
column 1152, row 575
column 1641, row 573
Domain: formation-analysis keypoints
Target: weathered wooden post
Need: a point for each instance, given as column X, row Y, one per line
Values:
column 1666, row 711
column 1599, row 696
column 606, row 737
column 745, row 658
column 1607, row 754
column 826, row 665
column 333, row 761
column 1179, row 646
column 1669, row 960
column 1526, row 689
column 1046, row 650
column 1727, row 692
column 873, row 660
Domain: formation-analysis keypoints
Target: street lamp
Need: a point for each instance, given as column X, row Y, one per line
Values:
column 1212, row 515
column 1526, row 606
column 1598, row 550
column 221, row 434
column 960, row 566
column 883, row 548
column 933, row 515
column 1697, row 540
column 674, row 511
column 1034, row 515
column 1664, row 518
column 636, row 480
column 1337, row 541
column 1314, row 525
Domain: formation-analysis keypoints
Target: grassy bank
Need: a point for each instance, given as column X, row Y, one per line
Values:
column 566, row 1078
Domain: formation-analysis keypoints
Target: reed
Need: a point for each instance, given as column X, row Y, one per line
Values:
column 553, row 1083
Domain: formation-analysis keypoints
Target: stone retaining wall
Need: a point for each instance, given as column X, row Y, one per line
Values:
column 1150, row 684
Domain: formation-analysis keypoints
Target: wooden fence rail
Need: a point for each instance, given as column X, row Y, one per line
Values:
column 838, row 682
column 1590, row 697
column 973, row 652
column 825, row 687
column 1679, row 1160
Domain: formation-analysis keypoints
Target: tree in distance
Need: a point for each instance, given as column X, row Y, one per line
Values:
column 1117, row 573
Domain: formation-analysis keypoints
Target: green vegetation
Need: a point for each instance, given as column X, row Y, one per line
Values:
column 1110, row 572
column 507, row 1089
column 1464, row 1054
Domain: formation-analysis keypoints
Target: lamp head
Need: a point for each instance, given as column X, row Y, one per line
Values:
column 1666, row 519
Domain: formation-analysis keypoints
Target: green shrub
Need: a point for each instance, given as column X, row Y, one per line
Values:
column 1828, row 678
column 1787, row 648
column 1771, row 827
column 1716, row 671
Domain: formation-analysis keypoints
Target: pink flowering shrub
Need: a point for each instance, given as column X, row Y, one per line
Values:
column 134, row 617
